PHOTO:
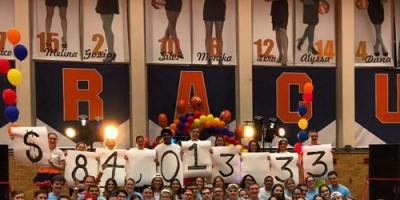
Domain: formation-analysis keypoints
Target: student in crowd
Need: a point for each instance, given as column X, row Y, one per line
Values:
column 157, row 185
column 176, row 188
column 218, row 193
column 148, row 193
column 247, row 180
column 233, row 192
column 130, row 188
column 57, row 185
column 337, row 196
column 311, row 189
column 218, row 182
column 318, row 197
column 109, row 187
column 200, row 183
column 17, row 195
column 188, row 194
column 297, row 193
column 290, row 185
column 243, row 194
column 278, row 192
column 206, row 194
column 325, row 191
column 265, row 192
column 166, row 194
column 253, row 191
column 335, row 186
column 40, row 195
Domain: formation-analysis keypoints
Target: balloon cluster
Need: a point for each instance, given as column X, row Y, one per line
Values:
column 13, row 75
column 208, row 123
column 302, row 135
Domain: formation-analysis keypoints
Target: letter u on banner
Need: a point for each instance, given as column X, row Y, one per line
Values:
column 196, row 159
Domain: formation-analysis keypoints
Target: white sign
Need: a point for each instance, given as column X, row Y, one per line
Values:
column 141, row 165
column 283, row 166
column 226, row 163
column 169, row 157
column 113, row 164
column 317, row 160
column 79, row 164
column 31, row 145
column 255, row 164
column 196, row 158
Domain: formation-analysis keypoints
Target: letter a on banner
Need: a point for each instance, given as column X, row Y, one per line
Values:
column 283, row 83
column 192, row 82
column 382, row 99
column 73, row 94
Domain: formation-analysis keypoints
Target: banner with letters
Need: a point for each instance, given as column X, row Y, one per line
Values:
column 56, row 30
column 315, row 33
column 105, row 31
column 317, row 161
column 7, row 22
column 64, row 91
column 373, row 33
column 284, row 166
column 377, row 106
column 226, row 163
column 277, row 92
column 255, row 164
column 112, row 164
column 79, row 164
column 143, row 173
column 200, row 163
column 268, row 43
column 167, row 86
column 31, row 146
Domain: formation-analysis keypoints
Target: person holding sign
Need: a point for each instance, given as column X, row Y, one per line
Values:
column 56, row 161
column 62, row 9
column 253, row 146
column 280, row 16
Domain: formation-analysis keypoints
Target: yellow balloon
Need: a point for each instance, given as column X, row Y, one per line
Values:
column 303, row 123
column 203, row 119
column 196, row 123
column 210, row 117
column 14, row 76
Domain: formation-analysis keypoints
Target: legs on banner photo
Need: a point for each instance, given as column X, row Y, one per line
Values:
column 64, row 24
column 282, row 43
column 107, row 20
column 170, row 34
column 209, row 42
column 308, row 34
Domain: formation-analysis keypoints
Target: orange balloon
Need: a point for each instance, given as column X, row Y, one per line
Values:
column 308, row 88
column 162, row 120
column 362, row 4
column 195, row 101
column 172, row 126
column 323, row 8
column 13, row 36
column 181, row 106
column 176, row 121
column 207, row 124
column 9, row 129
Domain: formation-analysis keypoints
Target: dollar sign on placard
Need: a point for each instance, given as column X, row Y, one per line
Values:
column 34, row 153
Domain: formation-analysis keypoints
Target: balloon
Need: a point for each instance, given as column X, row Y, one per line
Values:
column 20, row 52
column 323, row 8
column 197, row 114
column 307, row 97
column 303, row 123
column 9, row 96
column 298, row 147
column 207, row 124
column 221, row 124
column 182, row 119
column 302, row 136
column 181, row 126
column 162, row 120
column 239, row 131
column 203, row 119
column 196, row 123
column 181, row 106
column 190, row 119
column 362, row 4
column 4, row 66
column 13, row 36
column 226, row 116
column 308, row 87
column 172, row 126
column 11, row 113
column 302, row 110
column 186, row 126
column 195, row 101
column 14, row 76
column 11, row 126
column 210, row 117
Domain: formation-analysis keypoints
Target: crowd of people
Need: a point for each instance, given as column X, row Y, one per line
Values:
column 52, row 184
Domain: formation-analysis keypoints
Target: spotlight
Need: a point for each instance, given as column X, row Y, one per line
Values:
column 248, row 129
column 110, row 132
column 83, row 119
column 281, row 132
column 70, row 132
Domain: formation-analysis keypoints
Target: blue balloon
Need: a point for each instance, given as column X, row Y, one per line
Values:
column 11, row 113
column 302, row 136
column 181, row 125
column 182, row 119
column 302, row 110
column 20, row 52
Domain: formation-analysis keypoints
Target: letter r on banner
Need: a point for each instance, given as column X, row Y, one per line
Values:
column 283, row 83
column 382, row 112
column 73, row 94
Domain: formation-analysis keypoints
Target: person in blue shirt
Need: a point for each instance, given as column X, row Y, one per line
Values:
column 57, row 185
column 312, row 190
column 335, row 186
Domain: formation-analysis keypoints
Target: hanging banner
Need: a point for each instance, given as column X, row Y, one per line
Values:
column 105, row 31
column 7, row 22
column 255, row 164
column 284, row 166
column 226, row 163
column 315, row 33
column 214, row 32
column 373, row 33
column 79, row 164
column 273, row 32
column 64, row 91
column 169, row 157
column 168, row 32
column 112, row 164
column 56, row 30
column 317, row 161
column 397, row 19
column 196, row 159
column 141, row 165
column 31, row 146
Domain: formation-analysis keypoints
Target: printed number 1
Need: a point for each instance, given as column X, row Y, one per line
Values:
column 264, row 43
column 196, row 157
column 328, row 50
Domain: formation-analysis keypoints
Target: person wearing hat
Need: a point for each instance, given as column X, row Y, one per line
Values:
column 282, row 145
column 233, row 192
column 336, row 196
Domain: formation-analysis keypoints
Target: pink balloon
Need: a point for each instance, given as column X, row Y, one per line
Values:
column 307, row 97
column 4, row 66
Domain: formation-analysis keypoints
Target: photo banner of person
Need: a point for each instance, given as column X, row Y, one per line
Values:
column 315, row 33
column 278, row 92
column 168, row 31
column 64, row 98
column 273, row 32
column 214, row 32
column 377, row 106
column 373, row 33
column 7, row 22
column 56, row 30
column 397, row 19
column 182, row 96
column 105, row 31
